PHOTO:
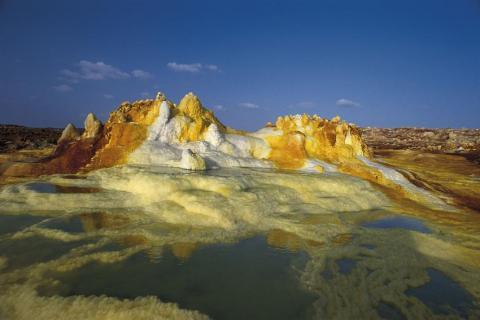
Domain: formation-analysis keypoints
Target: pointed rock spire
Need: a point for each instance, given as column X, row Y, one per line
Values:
column 70, row 133
column 92, row 126
column 160, row 96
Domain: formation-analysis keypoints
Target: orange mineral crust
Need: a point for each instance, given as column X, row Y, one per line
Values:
column 295, row 139
column 312, row 137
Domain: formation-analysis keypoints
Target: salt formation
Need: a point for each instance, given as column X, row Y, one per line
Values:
column 70, row 133
column 189, row 136
column 192, row 161
column 220, row 199
column 92, row 126
column 157, row 132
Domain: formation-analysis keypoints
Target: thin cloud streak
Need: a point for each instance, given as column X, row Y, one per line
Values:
column 249, row 105
column 88, row 70
column 346, row 103
column 62, row 88
column 141, row 74
column 192, row 67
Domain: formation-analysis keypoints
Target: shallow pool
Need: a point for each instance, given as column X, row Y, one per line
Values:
column 136, row 242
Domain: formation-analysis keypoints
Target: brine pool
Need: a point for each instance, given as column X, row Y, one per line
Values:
column 158, row 243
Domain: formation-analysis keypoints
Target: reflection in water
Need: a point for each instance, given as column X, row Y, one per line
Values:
column 43, row 187
column 86, row 222
column 389, row 312
column 398, row 222
column 24, row 252
column 443, row 295
column 245, row 280
column 13, row 223
column 345, row 266
column 229, row 244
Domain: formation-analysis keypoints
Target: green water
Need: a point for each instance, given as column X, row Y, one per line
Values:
column 245, row 280
column 248, row 279
column 443, row 295
column 293, row 260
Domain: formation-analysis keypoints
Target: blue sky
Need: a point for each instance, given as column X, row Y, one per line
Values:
column 373, row 62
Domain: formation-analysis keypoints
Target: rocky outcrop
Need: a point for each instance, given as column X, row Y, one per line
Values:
column 304, row 137
column 190, row 136
column 70, row 133
column 72, row 153
column 93, row 126
column 423, row 139
column 13, row 137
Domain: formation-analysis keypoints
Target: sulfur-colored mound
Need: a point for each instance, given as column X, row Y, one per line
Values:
column 189, row 136
column 158, row 132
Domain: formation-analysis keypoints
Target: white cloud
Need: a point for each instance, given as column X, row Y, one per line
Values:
column 181, row 67
column 191, row 67
column 219, row 107
column 108, row 96
column 137, row 73
column 88, row 70
column 63, row 88
column 347, row 103
column 70, row 76
column 212, row 67
column 249, row 105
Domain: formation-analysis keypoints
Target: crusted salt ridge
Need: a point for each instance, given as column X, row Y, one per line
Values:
column 173, row 132
column 157, row 132
column 299, row 142
column 189, row 136
column 223, row 199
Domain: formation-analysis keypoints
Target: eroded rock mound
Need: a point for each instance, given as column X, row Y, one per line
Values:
column 306, row 137
column 189, row 136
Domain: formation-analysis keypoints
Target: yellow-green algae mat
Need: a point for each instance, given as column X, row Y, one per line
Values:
column 156, row 243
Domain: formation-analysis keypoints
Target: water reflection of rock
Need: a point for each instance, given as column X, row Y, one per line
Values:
column 287, row 240
column 356, row 271
column 102, row 220
column 183, row 250
column 379, row 267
